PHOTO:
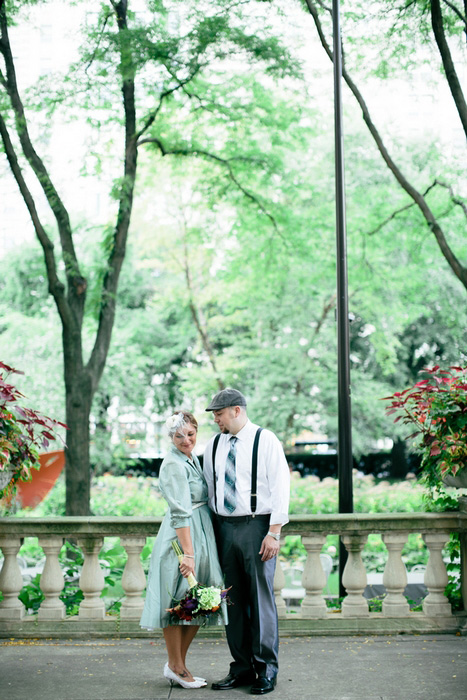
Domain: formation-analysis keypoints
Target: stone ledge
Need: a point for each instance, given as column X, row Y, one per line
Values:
column 290, row 626
column 349, row 523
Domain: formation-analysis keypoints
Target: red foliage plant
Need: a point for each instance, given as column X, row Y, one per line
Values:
column 437, row 408
column 23, row 433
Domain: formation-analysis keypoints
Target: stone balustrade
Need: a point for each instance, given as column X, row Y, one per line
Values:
column 313, row 616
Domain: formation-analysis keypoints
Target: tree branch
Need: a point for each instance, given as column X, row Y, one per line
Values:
column 76, row 283
column 91, row 60
column 390, row 218
column 448, row 63
column 196, row 315
column 327, row 308
column 180, row 85
column 458, row 12
column 100, row 350
column 223, row 161
column 56, row 287
column 455, row 200
column 459, row 270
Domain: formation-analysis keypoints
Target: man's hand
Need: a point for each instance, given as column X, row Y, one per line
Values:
column 269, row 548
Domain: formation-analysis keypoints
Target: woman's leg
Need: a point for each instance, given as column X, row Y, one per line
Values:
column 188, row 634
column 177, row 640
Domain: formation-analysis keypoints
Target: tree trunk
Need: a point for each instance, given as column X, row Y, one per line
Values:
column 77, row 464
column 448, row 63
column 81, row 381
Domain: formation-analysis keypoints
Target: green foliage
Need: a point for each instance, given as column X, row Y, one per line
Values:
column 127, row 496
column 454, row 587
column 310, row 495
column 23, row 284
column 71, row 560
column 230, row 271
column 110, row 495
column 31, row 595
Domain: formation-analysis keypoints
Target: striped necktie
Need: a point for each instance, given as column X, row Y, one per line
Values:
column 230, row 499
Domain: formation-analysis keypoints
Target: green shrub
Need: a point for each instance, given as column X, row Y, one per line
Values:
column 110, row 495
column 309, row 495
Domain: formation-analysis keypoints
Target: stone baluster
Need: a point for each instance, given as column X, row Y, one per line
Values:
column 314, row 578
column 133, row 579
column 11, row 581
column 395, row 576
column 463, row 547
column 354, row 577
column 52, row 580
column 92, row 579
column 436, row 576
column 279, row 583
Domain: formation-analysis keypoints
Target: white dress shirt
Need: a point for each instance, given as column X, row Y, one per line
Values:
column 273, row 483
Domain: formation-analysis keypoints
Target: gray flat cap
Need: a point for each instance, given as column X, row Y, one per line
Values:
column 225, row 398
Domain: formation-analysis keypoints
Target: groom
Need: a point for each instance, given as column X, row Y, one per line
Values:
column 249, row 483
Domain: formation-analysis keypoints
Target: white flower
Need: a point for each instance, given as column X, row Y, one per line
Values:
column 174, row 423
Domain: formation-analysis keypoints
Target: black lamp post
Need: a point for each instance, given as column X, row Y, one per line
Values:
column 345, row 459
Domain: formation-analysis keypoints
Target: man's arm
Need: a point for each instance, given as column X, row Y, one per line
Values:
column 279, row 484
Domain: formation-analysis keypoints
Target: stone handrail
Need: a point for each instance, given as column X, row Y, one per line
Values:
column 313, row 615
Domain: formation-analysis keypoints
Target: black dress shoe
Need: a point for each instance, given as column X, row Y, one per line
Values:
column 235, row 681
column 263, row 685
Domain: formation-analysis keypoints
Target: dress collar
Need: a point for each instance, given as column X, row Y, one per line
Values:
column 181, row 454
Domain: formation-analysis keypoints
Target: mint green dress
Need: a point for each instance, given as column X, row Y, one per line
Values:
column 182, row 484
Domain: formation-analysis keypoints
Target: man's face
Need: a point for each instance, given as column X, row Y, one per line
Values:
column 225, row 418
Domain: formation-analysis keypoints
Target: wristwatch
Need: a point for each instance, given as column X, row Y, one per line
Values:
column 276, row 535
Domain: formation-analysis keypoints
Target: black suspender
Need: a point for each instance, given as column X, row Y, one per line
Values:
column 214, row 481
column 254, row 470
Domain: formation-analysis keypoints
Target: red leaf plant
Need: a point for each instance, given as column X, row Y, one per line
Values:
column 23, row 433
column 437, row 408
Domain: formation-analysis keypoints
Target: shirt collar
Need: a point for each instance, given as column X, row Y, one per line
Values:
column 243, row 433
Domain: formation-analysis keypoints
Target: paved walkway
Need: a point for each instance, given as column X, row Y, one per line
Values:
column 425, row 667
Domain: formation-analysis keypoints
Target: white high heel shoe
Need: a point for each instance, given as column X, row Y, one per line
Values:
column 173, row 678
column 197, row 678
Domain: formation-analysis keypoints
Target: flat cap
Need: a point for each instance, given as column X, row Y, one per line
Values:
column 225, row 398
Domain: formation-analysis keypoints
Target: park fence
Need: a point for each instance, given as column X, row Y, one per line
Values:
column 303, row 613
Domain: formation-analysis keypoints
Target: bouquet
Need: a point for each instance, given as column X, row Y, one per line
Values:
column 200, row 601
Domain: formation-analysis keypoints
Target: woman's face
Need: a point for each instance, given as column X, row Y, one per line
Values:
column 185, row 439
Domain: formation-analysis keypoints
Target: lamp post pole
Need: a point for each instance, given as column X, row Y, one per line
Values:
column 345, row 458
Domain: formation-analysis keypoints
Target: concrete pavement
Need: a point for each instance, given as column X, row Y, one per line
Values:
column 399, row 667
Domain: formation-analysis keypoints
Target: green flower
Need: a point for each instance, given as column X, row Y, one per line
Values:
column 209, row 598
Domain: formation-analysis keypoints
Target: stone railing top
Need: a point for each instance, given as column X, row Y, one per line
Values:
column 347, row 523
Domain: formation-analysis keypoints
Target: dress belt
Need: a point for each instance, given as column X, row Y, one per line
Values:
column 242, row 518
column 198, row 505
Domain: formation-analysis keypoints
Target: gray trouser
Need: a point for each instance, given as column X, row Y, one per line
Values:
column 252, row 632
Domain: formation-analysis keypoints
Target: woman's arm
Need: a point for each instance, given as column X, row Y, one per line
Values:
column 187, row 566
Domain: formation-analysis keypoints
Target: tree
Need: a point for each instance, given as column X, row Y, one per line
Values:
column 411, row 27
column 166, row 81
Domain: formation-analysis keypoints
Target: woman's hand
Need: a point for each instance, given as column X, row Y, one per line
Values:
column 187, row 566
